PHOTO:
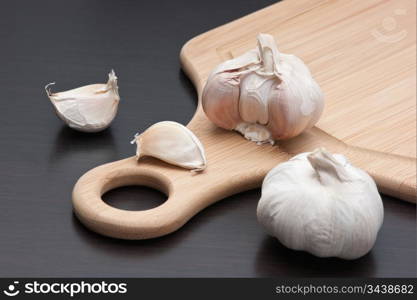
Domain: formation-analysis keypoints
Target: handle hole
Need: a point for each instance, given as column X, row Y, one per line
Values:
column 134, row 197
column 135, row 192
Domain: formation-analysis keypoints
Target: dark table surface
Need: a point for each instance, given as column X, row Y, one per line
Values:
column 76, row 43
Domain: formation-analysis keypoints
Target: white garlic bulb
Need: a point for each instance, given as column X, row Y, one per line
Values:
column 264, row 94
column 172, row 143
column 320, row 203
column 89, row 108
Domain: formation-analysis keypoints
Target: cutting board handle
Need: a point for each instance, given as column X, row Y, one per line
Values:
column 110, row 221
column 400, row 183
column 188, row 193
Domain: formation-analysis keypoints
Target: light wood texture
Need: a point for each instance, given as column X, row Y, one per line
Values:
column 370, row 103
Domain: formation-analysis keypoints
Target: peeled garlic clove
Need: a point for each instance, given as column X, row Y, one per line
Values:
column 89, row 108
column 172, row 143
column 223, row 88
column 318, row 202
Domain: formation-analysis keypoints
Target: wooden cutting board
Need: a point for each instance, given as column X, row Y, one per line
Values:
column 362, row 53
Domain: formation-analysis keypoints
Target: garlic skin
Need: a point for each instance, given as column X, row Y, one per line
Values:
column 172, row 143
column 89, row 108
column 320, row 203
column 263, row 94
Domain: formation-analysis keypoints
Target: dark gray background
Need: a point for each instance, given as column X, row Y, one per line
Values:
column 76, row 43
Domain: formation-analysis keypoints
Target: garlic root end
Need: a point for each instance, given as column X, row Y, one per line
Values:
column 255, row 133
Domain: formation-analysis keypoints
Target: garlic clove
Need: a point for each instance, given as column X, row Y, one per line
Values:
column 89, row 108
column 253, row 102
column 223, row 90
column 282, row 114
column 172, row 143
column 284, row 108
column 301, row 85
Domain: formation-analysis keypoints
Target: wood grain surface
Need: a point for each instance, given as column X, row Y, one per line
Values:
column 77, row 42
column 348, row 55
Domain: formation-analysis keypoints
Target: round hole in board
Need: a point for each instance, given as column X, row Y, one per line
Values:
column 134, row 197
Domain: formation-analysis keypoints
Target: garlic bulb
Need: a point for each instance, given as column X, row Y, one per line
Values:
column 263, row 94
column 172, row 143
column 89, row 108
column 320, row 203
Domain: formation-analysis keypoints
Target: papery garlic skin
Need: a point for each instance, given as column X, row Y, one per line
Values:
column 89, row 108
column 173, row 143
column 320, row 203
column 266, row 88
column 225, row 105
